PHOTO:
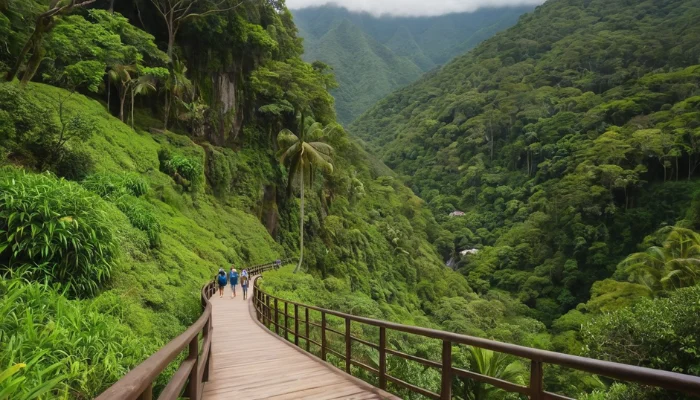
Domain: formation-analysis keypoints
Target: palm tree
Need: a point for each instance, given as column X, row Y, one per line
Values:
column 303, row 158
column 178, row 85
column 141, row 85
column 497, row 365
column 121, row 74
column 673, row 265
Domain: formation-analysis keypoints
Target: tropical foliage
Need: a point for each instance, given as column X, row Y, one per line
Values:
column 54, row 231
column 304, row 154
column 567, row 141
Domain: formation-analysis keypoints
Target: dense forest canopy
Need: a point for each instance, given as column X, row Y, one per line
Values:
column 145, row 144
column 565, row 140
column 373, row 56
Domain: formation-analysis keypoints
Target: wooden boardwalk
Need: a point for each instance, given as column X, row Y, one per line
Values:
column 249, row 362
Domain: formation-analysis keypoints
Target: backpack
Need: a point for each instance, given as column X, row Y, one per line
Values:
column 234, row 277
column 244, row 280
column 222, row 279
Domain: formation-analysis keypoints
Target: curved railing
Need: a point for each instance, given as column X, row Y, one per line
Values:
column 193, row 371
column 269, row 309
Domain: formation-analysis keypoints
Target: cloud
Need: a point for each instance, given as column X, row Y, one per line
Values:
column 412, row 8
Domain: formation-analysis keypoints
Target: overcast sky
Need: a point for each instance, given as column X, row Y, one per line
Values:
column 412, row 7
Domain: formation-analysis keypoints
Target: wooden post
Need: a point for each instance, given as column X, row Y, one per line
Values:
column 348, row 346
column 536, row 386
column 323, row 336
column 308, row 344
column 296, row 325
column 277, row 317
column 286, row 317
column 446, row 381
column 147, row 394
column 267, row 311
column 193, row 381
column 382, row 357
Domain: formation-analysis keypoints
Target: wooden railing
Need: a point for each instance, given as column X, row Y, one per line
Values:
column 193, row 371
column 269, row 309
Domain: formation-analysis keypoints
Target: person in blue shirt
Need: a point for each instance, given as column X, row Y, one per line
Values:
column 221, row 280
column 233, row 280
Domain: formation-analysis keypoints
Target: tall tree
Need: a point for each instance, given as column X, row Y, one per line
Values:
column 302, row 158
column 45, row 22
column 141, row 85
column 121, row 74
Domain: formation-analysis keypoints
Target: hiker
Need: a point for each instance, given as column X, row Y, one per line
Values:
column 245, row 280
column 221, row 280
column 233, row 280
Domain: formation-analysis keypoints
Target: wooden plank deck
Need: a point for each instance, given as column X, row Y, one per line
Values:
column 249, row 362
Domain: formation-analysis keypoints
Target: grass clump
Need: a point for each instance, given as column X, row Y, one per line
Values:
column 59, row 348
column 141, row 216
column 112, row 186
column 55, row 231
column 186, row 171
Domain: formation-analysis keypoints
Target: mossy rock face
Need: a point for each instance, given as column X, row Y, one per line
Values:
column 269, row 214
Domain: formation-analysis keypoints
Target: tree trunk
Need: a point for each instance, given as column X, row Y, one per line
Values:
column 301, row 227
column 36, row 37
column 109, row 93
column 171, row 44
column 32, row 64
column 111, row 6
column 166, row 109
column 132, row 108
column 122, row 100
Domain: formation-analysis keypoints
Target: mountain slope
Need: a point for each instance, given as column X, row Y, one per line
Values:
column 566, row 139
column 358, row 53
column 386, row 53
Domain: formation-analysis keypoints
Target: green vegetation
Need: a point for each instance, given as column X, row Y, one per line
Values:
column 373, row 56
column 568, row 141
column 54, row 231
column 304, row 156
column 68, row 349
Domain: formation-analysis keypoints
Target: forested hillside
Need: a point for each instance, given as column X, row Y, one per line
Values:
column 145, row 144
column 373, row 56
column 567, row 141
column 136, row 160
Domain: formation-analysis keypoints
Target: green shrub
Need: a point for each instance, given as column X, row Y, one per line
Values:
column 112, row 186
column 135, row 184
column 186, row 171
column 71, row 349
column 660, row 333
column 141, row 216
column 75, row 165
column 39, row 136
column 55, row 231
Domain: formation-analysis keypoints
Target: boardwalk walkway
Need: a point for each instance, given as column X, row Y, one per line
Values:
column 251, row 363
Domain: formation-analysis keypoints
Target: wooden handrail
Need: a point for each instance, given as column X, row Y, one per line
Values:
column 192, row 373
column 535, row 390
